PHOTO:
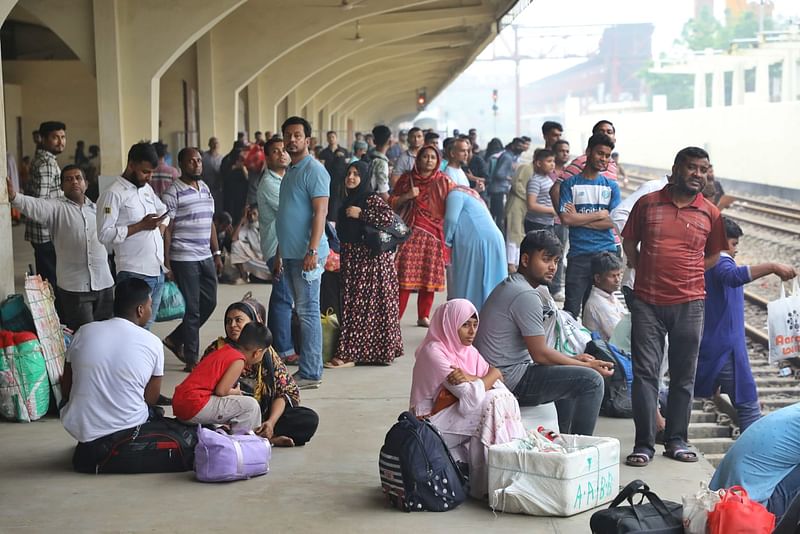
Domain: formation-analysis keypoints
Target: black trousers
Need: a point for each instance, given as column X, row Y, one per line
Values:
column 44, row 255
column 299, row 423
column 197, row 281
column 79, row 308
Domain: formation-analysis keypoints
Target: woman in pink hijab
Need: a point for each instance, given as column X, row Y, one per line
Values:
column 463, row 395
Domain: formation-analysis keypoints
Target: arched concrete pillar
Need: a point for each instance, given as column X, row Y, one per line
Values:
column 6, row 244
column 254, row 106
column 139, row 40
column 205, row 88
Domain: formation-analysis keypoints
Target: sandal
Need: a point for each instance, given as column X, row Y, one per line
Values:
column 340, row 365
column 424, row 322
column 681, row 454
column 176, row 350
column 638, row 459
column 292, row 359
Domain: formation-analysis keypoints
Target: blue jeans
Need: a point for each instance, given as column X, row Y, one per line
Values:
column 279, row 316
column 577, row 392
column 747, row 412
column 784, row 493
column 578, row 283
column 306, row 300
column 156, row 283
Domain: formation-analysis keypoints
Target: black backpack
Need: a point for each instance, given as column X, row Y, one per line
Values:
column 617, row 392
column 161, row 445
column 416, row 469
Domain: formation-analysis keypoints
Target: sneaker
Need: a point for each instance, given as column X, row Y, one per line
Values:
column 305, row 383
column 163, row 401
column 559, row 297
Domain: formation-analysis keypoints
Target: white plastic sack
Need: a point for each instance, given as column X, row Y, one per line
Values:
column 696, row 508
column 561, row 331
column 784, row 325
column 531, row 482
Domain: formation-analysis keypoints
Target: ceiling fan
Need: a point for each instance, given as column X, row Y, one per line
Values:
column 344, row 5
column 357, row 37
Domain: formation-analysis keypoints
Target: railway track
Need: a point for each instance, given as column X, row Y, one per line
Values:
column 713, row 421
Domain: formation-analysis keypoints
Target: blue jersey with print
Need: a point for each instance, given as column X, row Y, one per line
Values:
column 589, row 196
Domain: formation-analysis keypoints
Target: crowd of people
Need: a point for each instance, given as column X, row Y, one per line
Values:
column 508, row 233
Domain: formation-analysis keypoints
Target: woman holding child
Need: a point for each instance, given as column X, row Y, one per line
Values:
column 370, row 321
column 268, row 381
column 461, row 393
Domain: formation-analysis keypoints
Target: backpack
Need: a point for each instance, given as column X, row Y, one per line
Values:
column 161, row 445
column 416, row 469
column 617, row 392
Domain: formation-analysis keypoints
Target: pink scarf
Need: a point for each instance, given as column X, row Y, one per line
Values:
column 442, row 341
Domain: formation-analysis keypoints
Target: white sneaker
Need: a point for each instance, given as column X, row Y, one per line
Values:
column 559, row 297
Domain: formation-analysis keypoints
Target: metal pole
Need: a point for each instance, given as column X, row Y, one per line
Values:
column 516, row 81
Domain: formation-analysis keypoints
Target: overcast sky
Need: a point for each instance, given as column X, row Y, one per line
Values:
column 668, row 17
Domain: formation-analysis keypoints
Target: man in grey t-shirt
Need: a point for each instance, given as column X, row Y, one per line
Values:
column 511, row 337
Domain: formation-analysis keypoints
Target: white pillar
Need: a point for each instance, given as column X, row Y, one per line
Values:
column 699, row 90
column 789, row 73
column 254, row 107
column 737, row 89
column 718, row 89
column 762, row 81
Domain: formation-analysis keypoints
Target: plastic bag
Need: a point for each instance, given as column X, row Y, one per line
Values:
column 561, row 331
column 24, row 384
column 696, row 508
column 735, row 512
column 330, row 334
column 172, row 304
column 784, row 325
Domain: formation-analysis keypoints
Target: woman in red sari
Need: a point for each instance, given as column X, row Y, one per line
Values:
column 419, row 197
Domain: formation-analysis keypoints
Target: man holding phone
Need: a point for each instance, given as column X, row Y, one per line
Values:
column 131, row 219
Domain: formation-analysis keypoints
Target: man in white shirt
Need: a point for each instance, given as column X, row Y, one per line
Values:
column 457, row 155
column 132, row 220
column 84, row 279
column 602, row 311
column 113, row 372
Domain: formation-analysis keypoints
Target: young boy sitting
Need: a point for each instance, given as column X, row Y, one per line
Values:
column 723, row 361
column 211, row 394
column 602, row 311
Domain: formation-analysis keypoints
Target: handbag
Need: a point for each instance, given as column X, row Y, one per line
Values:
column 656, row 517
column 783, row 317
column 220, row 457
column 443, row 400
column 172, row 304
column 735, row 512
column 382, row 239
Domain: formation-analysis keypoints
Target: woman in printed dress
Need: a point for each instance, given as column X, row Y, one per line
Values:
column 463, row 396
column 285, row 422
column 419, row 197
column 370, row 321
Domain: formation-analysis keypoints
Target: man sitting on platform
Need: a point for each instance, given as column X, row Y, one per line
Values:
column 112, row 374
column 511, row 337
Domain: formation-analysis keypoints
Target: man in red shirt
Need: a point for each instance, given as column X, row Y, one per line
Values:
column 671, row 237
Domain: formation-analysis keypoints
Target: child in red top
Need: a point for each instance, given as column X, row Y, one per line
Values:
column 211, row 394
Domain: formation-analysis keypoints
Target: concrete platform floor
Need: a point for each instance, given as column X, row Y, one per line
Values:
column 330, row 485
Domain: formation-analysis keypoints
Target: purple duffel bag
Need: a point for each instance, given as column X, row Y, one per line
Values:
column 220, row 457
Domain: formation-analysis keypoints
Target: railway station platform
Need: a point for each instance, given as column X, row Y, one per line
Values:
column 330, row 485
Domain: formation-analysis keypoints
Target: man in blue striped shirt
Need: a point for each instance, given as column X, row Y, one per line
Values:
column 191, row 254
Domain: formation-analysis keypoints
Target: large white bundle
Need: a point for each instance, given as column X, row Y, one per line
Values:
column 526, row 480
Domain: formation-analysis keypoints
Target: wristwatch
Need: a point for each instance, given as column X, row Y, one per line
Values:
column 311, row 252
column 217, row 253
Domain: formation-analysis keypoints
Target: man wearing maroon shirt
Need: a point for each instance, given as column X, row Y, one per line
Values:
column 671, row 237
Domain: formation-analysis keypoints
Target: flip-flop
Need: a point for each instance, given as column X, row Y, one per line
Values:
column 681, row 454
column 342, row 365
column 292, row 359
column 638, row 459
